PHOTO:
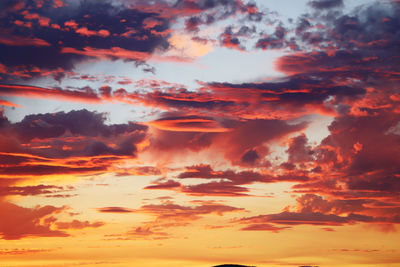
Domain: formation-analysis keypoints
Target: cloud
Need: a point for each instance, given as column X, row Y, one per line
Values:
column 291, row 94
column 25, row 222
column 253, row 135
column 323, row 4
column 299, row 150
column 60, row 36
column 312, row 203
column 181, row 99
column 214, row 188
column 227, row 40
column 39, row 221
column 283, row 98
column 189, row 123
column 14, row 40
column 206, row 172
column 170, row 184
column 138, row 171
column 77, row 122
column 121, row 53
column 40, row 170
column 76, row 224
column 316, row 218
column 221, row 188
column 227, row 183
column 77, row 142
column 148, row 231
column 97, row 25
column 234, row 142
column 366, row 172
column 236, row 37
column 32, row 190
column 115, row 210
column 315, row 210
column 9, row 104
column 22, row 251
column 363, row 40
column 353, row 170
column 250, row 157
column 168, row 214
column 276, row 40
column 208, row 12
column 338, row 64
column 174, row 212
column 263, row 227
column 172, row 141
column 83, row 95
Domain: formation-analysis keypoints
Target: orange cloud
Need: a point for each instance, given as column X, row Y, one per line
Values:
column 188, row 124
column 9, row 104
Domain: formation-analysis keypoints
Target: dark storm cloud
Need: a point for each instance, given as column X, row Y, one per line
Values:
column 66, row 143
column 323, row 4
column 77, row 122
column 231, row 38
column 242, row 137
column 289, row 95
column 210, row 11
column 276, row 40
column 47, row 30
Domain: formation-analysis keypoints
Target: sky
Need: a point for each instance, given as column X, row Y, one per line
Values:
column 194, row 133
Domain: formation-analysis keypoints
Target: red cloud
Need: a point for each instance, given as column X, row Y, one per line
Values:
column 77, row 142
column 293, row 218
column 39, row 221
column 206, row 172
column 235, row 144
column 229, row 184
column 174, row 212
column 221, row 188
column 31, row 190
column 169, row 214
column 188, row 124
column 114, row 52
column 15, row 40
column 24, row 222
column 75, row 224
column 239, row 178
column 170, row 184
column 150, row 23
column 148, row 231
column 8, row 104
column 314, row 210
column 87, row 95
column 121, row 53
column 86, row 32
column 367, row 172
